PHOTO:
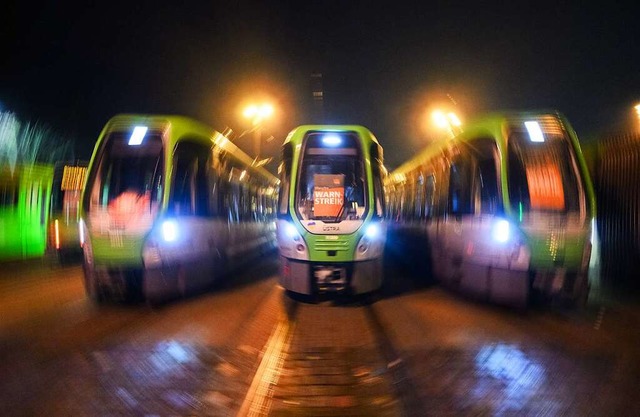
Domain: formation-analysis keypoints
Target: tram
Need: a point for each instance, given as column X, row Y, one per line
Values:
column 169, row 206
column 505, row 209
column 63, row 234
column 330, row 227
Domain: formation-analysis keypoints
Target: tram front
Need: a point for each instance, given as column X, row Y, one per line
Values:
column 332, row 239
column 551, row 198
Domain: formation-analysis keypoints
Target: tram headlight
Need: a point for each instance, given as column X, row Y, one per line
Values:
column 373, row 230
column 501, row 231
column 371, row 244
column 290, row 242
column 291, row 232
column 169, row 230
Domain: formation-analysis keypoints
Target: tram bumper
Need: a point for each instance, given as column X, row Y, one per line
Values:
column 494, row 284
column 560, row 285
column 497, row 275
column 305, row 277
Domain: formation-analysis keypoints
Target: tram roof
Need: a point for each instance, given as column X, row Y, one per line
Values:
column 181, row 125
column 490, row 124
column 298, row 133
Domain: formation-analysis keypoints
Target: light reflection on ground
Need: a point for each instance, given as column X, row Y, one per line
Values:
column 507, row 379
column 519, row 376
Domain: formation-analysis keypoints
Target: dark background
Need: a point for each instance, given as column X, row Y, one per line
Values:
column 384, row 64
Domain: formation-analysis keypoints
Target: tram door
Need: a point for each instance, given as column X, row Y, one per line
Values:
column 473, row 200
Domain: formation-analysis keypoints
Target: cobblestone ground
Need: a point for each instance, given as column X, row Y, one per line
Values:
column 333, row 367
column 508, row 380
column 131, row 374
column 167, row 379
column 334, row 382
column 461, row 359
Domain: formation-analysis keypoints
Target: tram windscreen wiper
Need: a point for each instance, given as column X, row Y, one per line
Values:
column 339, row 215
column 347, row 200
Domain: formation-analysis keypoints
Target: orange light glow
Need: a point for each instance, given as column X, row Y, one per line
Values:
column 57, row 233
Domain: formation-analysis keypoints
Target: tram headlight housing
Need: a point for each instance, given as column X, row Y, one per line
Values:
column 371, row 244
column 372, row 231
column 290, row 242
column 507, row 248
column 291, row 231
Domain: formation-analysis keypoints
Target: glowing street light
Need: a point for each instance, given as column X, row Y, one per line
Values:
column 447, row 121
column 637, row 109
column 258, row 113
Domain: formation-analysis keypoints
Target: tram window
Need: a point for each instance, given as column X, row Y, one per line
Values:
column 377, row 170
column 460, row 187
column 190, row 187
column 284, row 170
column 419, row 193
column 126, row 173
column 247, row 215
column 411, row 198
column 543, row 177
column 234, row 203
column 441, row 198
column 429, row 198
column 487, row 182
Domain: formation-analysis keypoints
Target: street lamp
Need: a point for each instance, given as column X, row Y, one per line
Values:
column 448, row 121
column 258, row 113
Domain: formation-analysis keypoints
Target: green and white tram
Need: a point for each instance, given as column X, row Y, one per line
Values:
column 506, row 207
column 330, row 225
column 168, row 207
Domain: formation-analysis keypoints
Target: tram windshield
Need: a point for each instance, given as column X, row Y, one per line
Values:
column 127, row 183
column 543, row 174
column 331, row 186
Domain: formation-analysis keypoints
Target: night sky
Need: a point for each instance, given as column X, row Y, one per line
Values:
column 384, row 64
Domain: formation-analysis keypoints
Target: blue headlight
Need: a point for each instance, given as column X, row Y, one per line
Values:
column 169, row 230
column 373, row 230
column 501, row 232
column 290, row 230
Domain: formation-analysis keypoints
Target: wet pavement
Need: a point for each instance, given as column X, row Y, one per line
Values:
column 168, row 379
column 333, row 367
column 501, row 379
column 252, row 350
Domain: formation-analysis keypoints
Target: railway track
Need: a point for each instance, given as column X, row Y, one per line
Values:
column 330, row 358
